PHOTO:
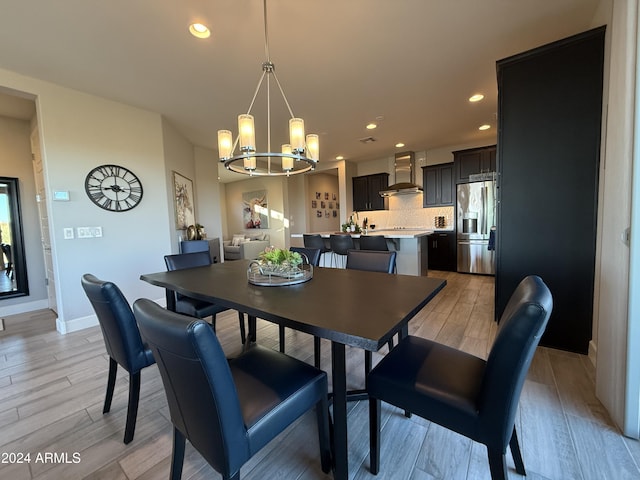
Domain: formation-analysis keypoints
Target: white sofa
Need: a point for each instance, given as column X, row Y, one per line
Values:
column 245, row 246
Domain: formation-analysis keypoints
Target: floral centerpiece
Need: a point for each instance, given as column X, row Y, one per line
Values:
column 276, row 261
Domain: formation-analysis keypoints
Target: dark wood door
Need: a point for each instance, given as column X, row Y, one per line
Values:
column 366, row 191
column 360, row 193
column 438, row 185
column 549, row 112
column 473, row 161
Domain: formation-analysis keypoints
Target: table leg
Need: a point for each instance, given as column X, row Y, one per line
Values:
column 252, row 329
column 340, row 442
column 171, row 299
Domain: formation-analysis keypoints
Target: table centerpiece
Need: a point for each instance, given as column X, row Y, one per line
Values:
column 276, row 266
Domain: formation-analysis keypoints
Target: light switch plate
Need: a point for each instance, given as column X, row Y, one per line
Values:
column 68, row 233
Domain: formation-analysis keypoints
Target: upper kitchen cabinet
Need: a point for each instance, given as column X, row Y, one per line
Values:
column 438, row 185
column 549, row 112
column 473, row 161
column 366, row 191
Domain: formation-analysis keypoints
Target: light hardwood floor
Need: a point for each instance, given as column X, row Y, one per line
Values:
column 52, row 388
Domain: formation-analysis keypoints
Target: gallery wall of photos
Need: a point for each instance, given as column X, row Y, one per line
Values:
column 324, row 203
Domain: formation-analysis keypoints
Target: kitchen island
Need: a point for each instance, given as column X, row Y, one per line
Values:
column 410, row 245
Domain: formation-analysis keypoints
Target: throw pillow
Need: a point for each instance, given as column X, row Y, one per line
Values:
column 237, row 240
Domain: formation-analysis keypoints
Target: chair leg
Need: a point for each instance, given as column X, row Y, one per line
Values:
column 515, row 452
column 213, row 322
column 243, row 332
column 374, row 435
column 177, row 456
column 281, row 335
column 367, row 362
column 316, row 351
column 497, row 464
column 322, row 414
column 132, row 409
column 111, row 383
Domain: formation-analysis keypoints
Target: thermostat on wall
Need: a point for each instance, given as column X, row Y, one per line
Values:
column 62, row 196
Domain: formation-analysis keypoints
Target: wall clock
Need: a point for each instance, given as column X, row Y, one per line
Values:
column 113, row 188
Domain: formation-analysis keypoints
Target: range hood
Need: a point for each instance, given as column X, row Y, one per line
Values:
column 404, row 181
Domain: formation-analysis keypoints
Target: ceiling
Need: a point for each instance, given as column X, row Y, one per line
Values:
column 408, row 65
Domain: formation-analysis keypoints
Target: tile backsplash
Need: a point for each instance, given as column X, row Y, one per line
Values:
column 407, row 211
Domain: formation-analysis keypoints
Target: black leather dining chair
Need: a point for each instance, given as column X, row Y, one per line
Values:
column 461, row 392
column 6, row 250
column 371, row 261
column 194, row 307
column 340, row 245
column 373, row 242
column 311, row 256
column 228, row 410
column 122, row 341
column 314, row 240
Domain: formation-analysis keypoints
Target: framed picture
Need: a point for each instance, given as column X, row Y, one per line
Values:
column 318, row 195
column 184, row 201
column 319, row 213
column 333, row 196
column 326, row 195
column 255, row 211
column 322, row 204
column 314, row 204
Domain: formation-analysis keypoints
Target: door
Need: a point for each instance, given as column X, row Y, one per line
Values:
column 43, row 216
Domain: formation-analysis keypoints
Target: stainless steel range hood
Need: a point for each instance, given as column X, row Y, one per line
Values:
column 405, row 176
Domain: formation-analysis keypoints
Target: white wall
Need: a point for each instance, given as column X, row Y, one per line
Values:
column 15, row 152
column 77, row 133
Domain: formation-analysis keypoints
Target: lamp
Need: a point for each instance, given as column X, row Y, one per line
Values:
column 300, row 155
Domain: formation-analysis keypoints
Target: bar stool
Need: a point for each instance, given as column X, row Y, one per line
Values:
column 373, row 242
column 314, row 240
column 340, row 245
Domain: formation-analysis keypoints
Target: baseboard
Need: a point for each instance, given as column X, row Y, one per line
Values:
column 75, row 324
column 24, row 307
column 593, row 352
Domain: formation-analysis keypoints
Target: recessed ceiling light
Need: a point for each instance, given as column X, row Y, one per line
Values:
column 484, row 127
column 371, row 126
column 199, row 30
column 339, row 157
column 476, row 98
column 399, row 145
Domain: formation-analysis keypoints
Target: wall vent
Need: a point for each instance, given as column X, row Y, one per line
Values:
column 367, row 140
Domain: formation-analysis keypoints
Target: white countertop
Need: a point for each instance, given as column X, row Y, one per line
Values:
column 390, row 233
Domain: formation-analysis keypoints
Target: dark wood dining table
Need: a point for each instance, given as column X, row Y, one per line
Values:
column 348, row 307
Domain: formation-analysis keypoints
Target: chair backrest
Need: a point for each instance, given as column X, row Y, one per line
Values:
column 373, row 242
column 6, row 249
column 312, row 255
column 521, row 326
column 191, row 246
column 202, row 397
column 313, row 240
column 119, row 328
column 187, row 260
column 341, row 244
column 371, row 260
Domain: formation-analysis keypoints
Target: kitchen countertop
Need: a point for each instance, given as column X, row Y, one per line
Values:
column 387, row 233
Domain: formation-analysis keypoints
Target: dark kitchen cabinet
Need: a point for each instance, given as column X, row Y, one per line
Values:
column 442, row 251
column 438, row 185
column 366, row 191
column 549, row 112
column 473, row 161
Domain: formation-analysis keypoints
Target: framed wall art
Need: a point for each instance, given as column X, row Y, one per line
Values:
column 184, row 201
column 255, row 212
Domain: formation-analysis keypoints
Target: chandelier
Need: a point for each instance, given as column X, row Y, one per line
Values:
column 300, row 155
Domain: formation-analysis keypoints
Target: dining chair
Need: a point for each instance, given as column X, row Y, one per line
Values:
column 228, row 409
column 461, row 392
column 122, row 341
column 6, row 249
column 373, row 242
column 194, row 307
column 314, row 240
column 340, row 245
column 372, row 261
column 312, row 257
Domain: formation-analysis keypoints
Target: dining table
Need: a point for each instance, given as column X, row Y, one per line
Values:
column 347, row 307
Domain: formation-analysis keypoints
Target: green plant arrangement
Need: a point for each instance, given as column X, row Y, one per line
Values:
column 280, row 258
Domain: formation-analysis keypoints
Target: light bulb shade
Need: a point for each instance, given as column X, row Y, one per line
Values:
column 225, row 144
column 247, row 132
column 287, row 163
column 296, row 134
column 250, row 163
column 313, row 147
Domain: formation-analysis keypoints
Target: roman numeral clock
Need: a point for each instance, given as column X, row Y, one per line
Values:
column 113, row 188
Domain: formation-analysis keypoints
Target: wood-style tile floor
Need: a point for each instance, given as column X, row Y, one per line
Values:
column 52, row 389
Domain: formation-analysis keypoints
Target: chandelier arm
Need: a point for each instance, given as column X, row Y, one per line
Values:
column 268, row 120
column 284, row 97
column 255, row 94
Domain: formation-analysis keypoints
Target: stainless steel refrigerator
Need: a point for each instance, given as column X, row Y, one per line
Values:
column 476, row 213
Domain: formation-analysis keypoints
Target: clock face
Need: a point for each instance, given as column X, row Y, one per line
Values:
column 113, row 188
